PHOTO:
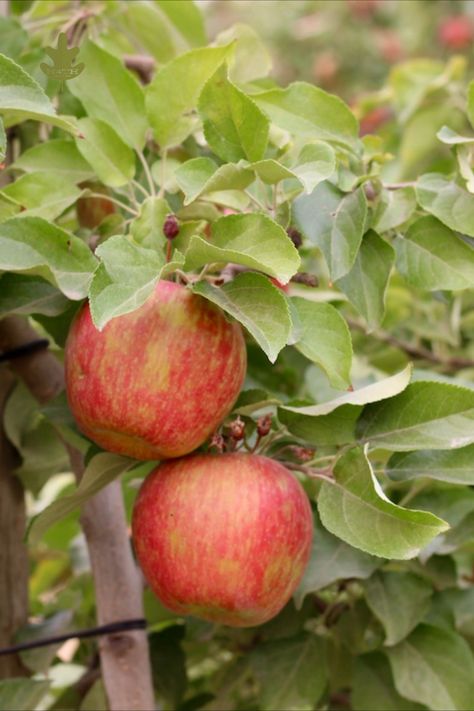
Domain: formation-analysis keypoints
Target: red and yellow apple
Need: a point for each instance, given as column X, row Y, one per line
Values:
column 155, row 383
column 223, row 537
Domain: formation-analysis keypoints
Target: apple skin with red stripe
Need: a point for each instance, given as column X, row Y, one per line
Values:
column 223, row 537
column 155, row 383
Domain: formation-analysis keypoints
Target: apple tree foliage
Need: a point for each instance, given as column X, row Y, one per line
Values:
column 359, row 329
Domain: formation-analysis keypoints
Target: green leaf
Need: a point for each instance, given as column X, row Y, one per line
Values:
column 147, row 228
column 250, row 401
column 316, row 162
column 168, row 663
column 42, row 452
column 186, row 18
column 447, row 201
column 427, row 415
column 55, row 156
column 101, row 470
column 291, row 672
column 366, row 283
column 395, row 208
column 112, row 160
column 452, row 138
column 270, row 171
column 257, row 305
column 251, row 59
column 335, row 222
column 110, row 92
column 455, row 466
column 199, row 176
column 39, row 660
column 22, row 693
column 470, row 102
column 253, row 240
column 373, row 687
column 430, row 256
column 125, row 278
column 380, row 390
column 45, row 195
column 332, row 560
column 3, row 141
column 337, row 427
column 325, row 339
column 169, row 110
column 434, row 667
column 32, row 245
column 399, row 601
column 21, row 98
column 234, row 126
column 354, row 508
column 307, row 111
column 24, row 295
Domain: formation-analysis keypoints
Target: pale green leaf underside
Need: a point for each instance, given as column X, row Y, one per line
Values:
column 453, row 465
column 380, row 390
column 354, row 508
column 427, row 415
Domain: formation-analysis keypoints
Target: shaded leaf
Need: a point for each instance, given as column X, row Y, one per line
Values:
column 291, row 672
column 373, row 687
column 325, row 339
column 29, row 295
column 399, row 600
column 430, row 256
column 434, row 667
column 335, row 222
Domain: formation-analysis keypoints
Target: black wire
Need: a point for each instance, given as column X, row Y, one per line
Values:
column 26, row 349
column 124, row 625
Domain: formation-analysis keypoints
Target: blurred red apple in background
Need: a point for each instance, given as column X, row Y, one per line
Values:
column 456, row 32
column 223, row 537
column 157, row 382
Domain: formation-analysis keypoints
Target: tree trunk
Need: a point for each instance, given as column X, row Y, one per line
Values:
column 124, row 657
column 13, row 553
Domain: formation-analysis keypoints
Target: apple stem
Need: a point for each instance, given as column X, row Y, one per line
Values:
column 168, row 251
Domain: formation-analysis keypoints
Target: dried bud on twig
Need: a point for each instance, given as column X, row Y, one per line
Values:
column 304, row 454
column 295, row 236
column 217, row 441
column 264, row 425
column 237, row 429
column 306, row 279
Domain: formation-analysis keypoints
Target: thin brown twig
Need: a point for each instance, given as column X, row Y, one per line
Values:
column 418, row 352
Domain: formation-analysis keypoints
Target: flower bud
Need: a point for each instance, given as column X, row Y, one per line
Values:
column 171, row 227
column 237, row 429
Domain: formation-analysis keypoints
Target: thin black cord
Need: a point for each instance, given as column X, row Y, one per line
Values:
column 26, row 349
column 124, row 625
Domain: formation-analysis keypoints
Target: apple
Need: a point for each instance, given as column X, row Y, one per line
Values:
column 155, row 383
column 456, row 32
column 223, row 537
column 91, row 210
